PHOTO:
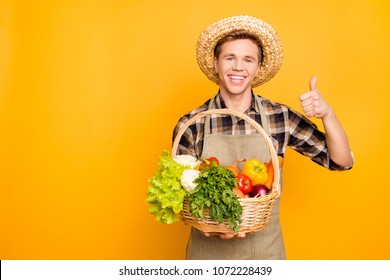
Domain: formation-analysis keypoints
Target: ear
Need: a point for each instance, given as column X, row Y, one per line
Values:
column 216, row 65
column 258, row 69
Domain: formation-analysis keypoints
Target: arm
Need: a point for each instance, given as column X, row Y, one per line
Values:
column 313, row 105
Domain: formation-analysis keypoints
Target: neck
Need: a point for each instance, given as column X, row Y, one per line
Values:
column 239, row 102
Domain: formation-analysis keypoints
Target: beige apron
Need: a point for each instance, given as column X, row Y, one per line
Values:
column 264, row 244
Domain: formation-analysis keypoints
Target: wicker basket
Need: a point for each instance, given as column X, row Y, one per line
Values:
column 256, row 210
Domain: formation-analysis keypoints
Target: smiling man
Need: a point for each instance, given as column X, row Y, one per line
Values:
column 240, row 53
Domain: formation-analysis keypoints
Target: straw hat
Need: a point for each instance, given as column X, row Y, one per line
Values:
column 272, row 48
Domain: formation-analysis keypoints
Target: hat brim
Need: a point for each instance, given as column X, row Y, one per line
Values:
column 270, row 43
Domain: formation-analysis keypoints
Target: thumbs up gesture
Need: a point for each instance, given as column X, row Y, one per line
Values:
column 312, row 103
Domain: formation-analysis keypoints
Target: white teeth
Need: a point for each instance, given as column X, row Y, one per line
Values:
column 236, row 77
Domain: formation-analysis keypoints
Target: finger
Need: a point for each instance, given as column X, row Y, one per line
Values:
column 306, row 102
column 307, row 109
column 310, row 113
column 309, row 96
column 226, row 236
column 305, row 96
column 313, row 83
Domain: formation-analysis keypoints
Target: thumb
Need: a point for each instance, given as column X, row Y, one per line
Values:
column 313, row 83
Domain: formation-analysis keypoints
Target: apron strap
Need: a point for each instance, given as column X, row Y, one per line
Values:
column 264, row 120
column 207, row 121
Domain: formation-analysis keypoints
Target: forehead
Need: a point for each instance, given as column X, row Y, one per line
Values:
column 240, row 47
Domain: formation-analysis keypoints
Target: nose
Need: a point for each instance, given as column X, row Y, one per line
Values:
column 237, row 65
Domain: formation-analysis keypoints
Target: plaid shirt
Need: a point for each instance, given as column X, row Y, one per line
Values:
column 287, row 128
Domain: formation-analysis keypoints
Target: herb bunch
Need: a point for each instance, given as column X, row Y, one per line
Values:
column 214, row 191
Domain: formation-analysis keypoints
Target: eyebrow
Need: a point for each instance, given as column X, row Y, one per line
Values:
column 247, row 56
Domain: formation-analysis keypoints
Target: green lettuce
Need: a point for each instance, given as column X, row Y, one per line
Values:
column 165, row 193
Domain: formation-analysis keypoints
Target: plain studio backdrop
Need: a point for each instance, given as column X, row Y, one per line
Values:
column 90, row 92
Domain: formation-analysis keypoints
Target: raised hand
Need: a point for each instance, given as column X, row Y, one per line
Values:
column 312, row 103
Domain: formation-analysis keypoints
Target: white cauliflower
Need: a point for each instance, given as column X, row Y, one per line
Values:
column 186, row 160
column 187, row 179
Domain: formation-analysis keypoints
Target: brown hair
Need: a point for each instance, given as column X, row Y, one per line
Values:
column 237, row 35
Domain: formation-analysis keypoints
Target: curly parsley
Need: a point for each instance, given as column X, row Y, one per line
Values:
column 214, row 191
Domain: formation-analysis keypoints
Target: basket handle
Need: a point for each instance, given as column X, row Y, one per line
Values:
column 274, row 156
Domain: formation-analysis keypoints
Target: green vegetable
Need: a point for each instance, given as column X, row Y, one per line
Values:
column 165, row 193
column 214, row 191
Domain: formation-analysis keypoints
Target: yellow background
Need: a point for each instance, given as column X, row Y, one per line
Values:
column 91, row 90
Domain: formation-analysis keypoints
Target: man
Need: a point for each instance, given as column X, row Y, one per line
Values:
column 239, row 53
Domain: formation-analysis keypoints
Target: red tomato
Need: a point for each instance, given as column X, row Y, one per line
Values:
column 244, row 183
column 208, row 162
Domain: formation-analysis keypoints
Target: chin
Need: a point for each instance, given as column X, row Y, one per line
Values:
column 238, row 91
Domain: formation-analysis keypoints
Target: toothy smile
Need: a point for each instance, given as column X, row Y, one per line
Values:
column 236, row 77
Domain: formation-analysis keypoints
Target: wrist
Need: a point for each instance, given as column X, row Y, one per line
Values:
column 329, row 114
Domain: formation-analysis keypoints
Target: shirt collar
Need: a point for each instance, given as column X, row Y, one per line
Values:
column 219, row 103
column 255, row 106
